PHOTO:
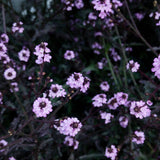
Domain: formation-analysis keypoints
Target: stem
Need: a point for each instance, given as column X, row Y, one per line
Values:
column 4, row 19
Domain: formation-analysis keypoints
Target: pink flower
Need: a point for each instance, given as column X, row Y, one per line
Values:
column 17, row 27
column 14, row 87
column 4, row 38
column 123, row 120
column 69, row 55
column 104, row 86
column 133, row 66
column 3, row 48
column 99, row 100
column 106, row 116
column 121, row 98
column 42, row 107
column 9, row 73
column 24, row 54
column 139, row 109
column 111, row 152
column 112, row 103
column 70, row 141
column 138, row 137
column 3, row 143
column 56, row 91
column 12, row 158
column 156, row 67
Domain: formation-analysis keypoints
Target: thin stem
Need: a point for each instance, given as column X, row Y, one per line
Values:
column 4, row 19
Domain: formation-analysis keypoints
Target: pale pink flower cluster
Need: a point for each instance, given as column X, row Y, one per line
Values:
column 69, row 4
column 14, row 87
column 138, row 137
column 24, row 54
column 140, row 109
column 42, row 107
column 69, row 55
column 133, row 66
column 1, row 98
column 99, row 100
column 104, row 86
column 123, row 120
column 119, row 98
column 69, row 126
column 77, row 81
column 111, row 152
column 156, row 16
column 42, row 53
column 106, row 7
column 106, row 116
column 57, row 90
column 70, row 141
column 17, row 27
column 12, row 158
column 114, row 55
column 102, row 63
column 156, row 67
column 3, row 143
column 4, row 38
column 97, row 47
column 9, row 73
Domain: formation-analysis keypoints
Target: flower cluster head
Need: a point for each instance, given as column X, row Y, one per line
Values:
column 113, row 103
column 42, row 53
column 111, row 152
column 77, row 81
column 69, row 126
column 14, row 87
column 133, row 66
column 42, row 107
column 123, row 120
column 69, row 4
column 3, row 143
column 12, row 158
column 102, row 63
column 9, row 73
column 104, row 86
column 156, row 67
column 114, row 55
column 69, row 55
column 97, row 47
column 121, row 98
column 17, row 27
column 70, row 141
column 139, row 109
column 4, row 38
column 57, row 90
column 138, row 137
column 106, row 7
column 99, row 100
column 24, row 54
column 156, row 16
column 1, row 98
column 106, row 116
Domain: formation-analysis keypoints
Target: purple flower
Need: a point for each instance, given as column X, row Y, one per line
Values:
column 3, row 143
column 121, row 98
column 133, row 66
column 4, row 38
column 24, row 54
column 111, row 152
column 42, row 107
column 14, row 87
column 123, row 120
column 99, row 100
column 57, row 91
column 17, row 27
column 138, row 137
column 69, row 55
column 106, row 116
column 9, row 74
column 70, row 141
column 156, row 67
column 104, row 86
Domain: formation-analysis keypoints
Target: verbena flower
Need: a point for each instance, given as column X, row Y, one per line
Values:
column 70, row 141
column 69, row 55
column 133, row 66
column 24, row 54
column 17, row 27
column 4, row 38
column 3, row 143
column 57, row 90
column 106, row 116
column 111, row 152
column 140, row 109
column 138, row 137
column 156, row 67
column 9, row 73
column 121, row 98
column 113, row 103
column 99, row 100
column 42, row 107
column 104, row 86
column 123, row 120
